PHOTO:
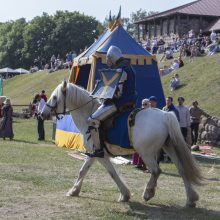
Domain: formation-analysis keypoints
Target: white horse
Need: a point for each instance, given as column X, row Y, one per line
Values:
column 153, row 130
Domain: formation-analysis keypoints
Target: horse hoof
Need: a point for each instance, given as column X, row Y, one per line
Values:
column 149, row 194
column 124, row 198
column 72, row 193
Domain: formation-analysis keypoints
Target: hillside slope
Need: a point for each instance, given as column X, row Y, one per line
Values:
column 22, row 88
column 201, row 82
column 200, row 79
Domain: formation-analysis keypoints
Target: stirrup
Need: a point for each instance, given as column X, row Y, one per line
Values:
column 96, row 153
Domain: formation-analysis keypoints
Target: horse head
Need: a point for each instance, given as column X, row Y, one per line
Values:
column 57, row 101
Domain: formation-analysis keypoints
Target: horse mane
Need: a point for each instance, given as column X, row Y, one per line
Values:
column 82, row 94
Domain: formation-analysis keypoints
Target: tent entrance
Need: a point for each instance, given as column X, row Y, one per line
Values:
column 83, row 76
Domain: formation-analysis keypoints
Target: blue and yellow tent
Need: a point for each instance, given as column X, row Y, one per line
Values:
column 86, row 66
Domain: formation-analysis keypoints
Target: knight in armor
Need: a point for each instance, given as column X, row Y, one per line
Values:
column 124, row 98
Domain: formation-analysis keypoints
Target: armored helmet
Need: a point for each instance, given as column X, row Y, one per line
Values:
column 113, row 54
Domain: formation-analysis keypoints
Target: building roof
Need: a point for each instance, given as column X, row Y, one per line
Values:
column 199, row 7
column 214, row 26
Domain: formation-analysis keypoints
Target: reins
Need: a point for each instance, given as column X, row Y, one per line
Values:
column 76, row 108
column 67, row 112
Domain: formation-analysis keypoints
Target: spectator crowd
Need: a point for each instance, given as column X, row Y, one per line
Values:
column 188, row 118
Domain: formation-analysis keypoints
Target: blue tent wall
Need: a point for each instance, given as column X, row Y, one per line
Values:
column 147, row 81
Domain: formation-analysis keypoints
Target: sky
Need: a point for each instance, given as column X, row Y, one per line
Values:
column 15, row 9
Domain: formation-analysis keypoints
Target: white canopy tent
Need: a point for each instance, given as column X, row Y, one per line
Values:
column 21, row 71
column 6, row 70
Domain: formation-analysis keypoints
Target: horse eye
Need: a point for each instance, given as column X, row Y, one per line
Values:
column 54, row 98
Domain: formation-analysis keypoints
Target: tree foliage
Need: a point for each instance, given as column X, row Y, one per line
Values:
column 21, row 42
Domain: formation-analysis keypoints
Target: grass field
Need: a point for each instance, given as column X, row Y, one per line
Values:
column 36, row 175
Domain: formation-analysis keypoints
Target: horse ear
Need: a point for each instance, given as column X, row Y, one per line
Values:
column 64, row 85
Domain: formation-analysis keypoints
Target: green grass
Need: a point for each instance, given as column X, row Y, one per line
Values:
column 22, row 88
column 201, row 81
column 36, row 175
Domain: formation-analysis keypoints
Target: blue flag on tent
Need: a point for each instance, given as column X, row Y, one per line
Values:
column 1, row 86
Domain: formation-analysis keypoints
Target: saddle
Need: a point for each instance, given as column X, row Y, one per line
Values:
column 115, row 133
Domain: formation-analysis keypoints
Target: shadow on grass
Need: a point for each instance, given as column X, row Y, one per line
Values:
column 24, row 141
column 32, row 142
column 157, row 211
column 170, row 174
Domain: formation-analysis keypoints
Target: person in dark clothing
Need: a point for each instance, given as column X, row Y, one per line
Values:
column 170, row 107
column 6, row 130
column 40, row 120
column 43, row 95
column 195, row 115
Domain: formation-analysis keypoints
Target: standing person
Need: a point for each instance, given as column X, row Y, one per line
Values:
column 43, row 95
column 169, row 107
column 153, row 101
column 2, row 99
column 195, row 115
column 184, row 117
column 40, row 121
column 136, row 159
column 6, row 130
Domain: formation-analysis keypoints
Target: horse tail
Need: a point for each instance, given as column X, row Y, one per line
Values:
column 179, row 151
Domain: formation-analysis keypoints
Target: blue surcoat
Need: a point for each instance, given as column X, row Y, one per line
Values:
column 129, row 94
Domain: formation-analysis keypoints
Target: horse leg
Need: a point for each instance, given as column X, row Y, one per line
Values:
column 192, row 195
column 75, row 190
column 155, row 171
column 124, row 191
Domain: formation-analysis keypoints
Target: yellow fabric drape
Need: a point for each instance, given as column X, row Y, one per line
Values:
column 69, row 140
column 74, row 73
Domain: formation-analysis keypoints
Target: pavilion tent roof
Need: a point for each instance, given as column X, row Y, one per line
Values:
column 117, row 37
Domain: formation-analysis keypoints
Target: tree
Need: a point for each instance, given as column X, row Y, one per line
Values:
column 73, row 31
column 11, row 42
column 37, row 39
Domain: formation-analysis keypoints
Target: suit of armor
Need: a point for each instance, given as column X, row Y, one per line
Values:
column 125, row 94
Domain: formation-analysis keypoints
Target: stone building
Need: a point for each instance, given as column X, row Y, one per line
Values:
column 200, row 14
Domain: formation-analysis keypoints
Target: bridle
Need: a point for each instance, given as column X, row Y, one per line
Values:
column 53, row 108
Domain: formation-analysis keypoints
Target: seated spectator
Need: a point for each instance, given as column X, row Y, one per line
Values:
column 173, row 67
column 168, row 54
column 174, row 82
column 214, row 47
column 148, row 45
column 213, row 36
column 181, row 63
column 34, row 69
column 160, row 44
column 200, row 35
